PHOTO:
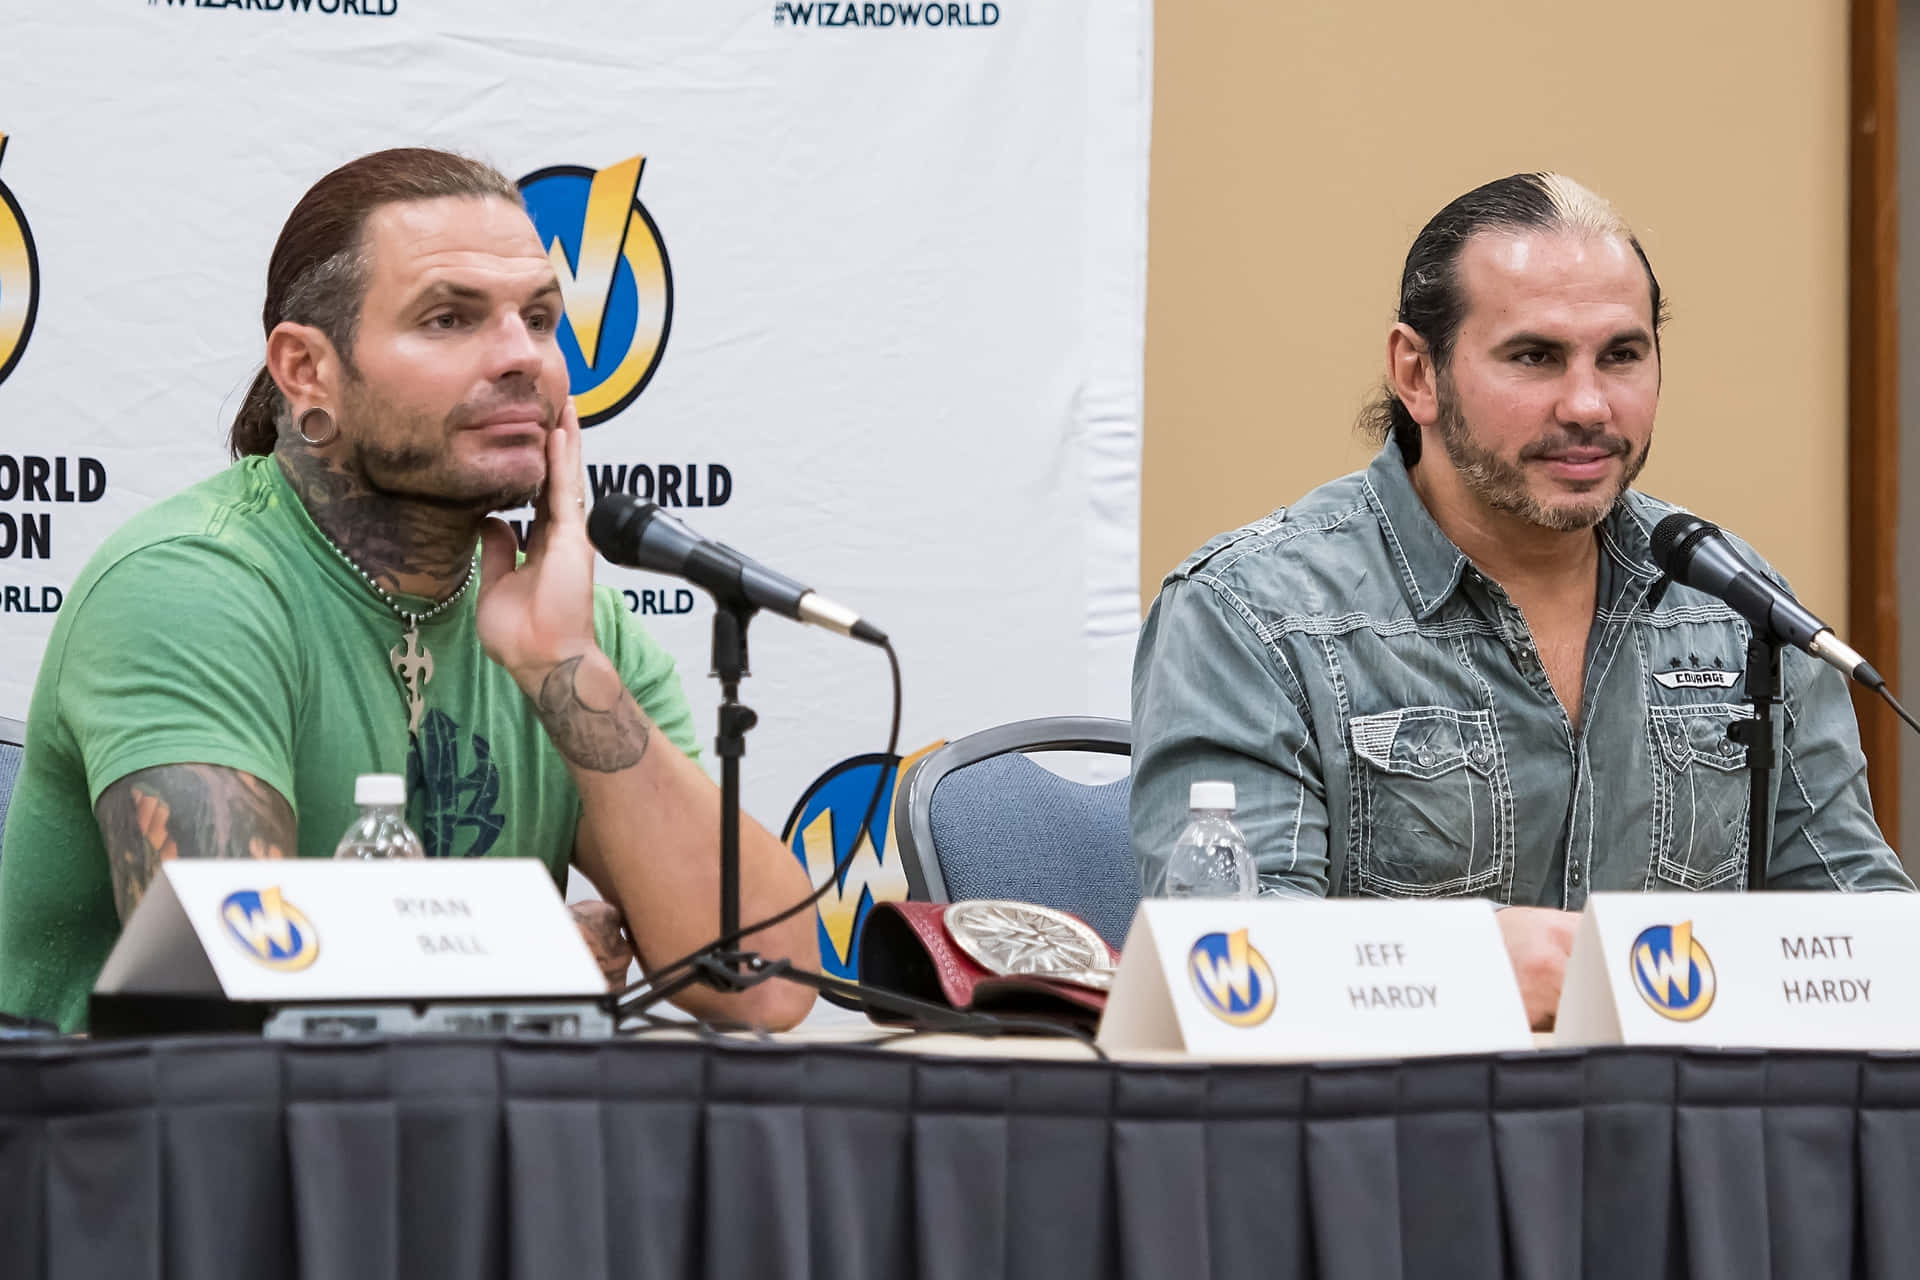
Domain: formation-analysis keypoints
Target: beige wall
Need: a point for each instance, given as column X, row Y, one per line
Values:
column 1298, row 147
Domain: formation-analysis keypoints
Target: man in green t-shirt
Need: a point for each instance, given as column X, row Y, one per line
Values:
column 339, row 602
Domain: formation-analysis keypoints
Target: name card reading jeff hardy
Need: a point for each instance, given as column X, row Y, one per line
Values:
column 1306, row 978
column 1773, row 970
column 1374, row 996
column 311, row 929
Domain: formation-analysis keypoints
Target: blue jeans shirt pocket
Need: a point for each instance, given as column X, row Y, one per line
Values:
column 1433, row 804
column 1700, row 796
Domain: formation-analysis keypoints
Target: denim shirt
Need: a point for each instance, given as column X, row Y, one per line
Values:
column 1381, row 709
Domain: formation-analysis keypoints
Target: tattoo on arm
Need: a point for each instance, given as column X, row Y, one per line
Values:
column 187, row 811
column 604, row 930
column 602, row 739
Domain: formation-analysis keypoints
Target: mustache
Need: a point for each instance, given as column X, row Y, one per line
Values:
column 466, row 414
column 1568, row 440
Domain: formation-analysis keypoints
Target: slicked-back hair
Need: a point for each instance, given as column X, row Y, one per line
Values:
column 319, row 269
column 1432, row 299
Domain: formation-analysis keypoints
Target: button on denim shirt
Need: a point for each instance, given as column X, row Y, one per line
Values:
column 1383, row 714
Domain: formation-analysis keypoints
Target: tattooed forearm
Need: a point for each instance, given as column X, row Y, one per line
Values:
column 604, row 930
column 187, row 811
column 591, row 717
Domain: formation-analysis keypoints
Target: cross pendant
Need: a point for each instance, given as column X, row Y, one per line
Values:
column 413, row 663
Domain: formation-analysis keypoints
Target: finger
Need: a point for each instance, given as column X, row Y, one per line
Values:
column 566, row 487
column 499, row 550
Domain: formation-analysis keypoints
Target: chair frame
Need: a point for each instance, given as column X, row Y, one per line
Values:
column 913, row 794
column 13, row 733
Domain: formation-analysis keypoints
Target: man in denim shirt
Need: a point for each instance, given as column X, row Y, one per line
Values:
column 1459, row 672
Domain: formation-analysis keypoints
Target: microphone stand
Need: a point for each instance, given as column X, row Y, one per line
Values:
column 1761, row 736
column 722, row 964
column 724, row 968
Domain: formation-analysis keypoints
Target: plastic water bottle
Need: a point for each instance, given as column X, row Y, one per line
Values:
column 1210, row 859
column 381, row 831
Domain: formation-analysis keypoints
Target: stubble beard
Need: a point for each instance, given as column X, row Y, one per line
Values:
column 1502, row 485
column 415, row 472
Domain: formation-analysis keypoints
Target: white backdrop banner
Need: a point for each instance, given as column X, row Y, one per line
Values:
column 862, row 293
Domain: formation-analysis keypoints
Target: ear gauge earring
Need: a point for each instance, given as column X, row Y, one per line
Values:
column 332, row 428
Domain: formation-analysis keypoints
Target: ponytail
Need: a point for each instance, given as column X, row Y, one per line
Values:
column 256, row 428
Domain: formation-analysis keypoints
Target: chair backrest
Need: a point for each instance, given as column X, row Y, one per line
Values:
column 13, row 748
column 977, row 819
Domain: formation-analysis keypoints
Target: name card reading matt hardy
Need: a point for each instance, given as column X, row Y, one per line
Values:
column 325, row 930
column 1305, row 978
column 1773, row 970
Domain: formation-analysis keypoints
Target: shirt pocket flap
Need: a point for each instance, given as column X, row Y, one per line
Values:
column 1689, row 735
column 1423, row 742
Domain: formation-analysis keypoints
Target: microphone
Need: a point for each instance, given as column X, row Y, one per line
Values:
column 1695, row 553
column 639, row 535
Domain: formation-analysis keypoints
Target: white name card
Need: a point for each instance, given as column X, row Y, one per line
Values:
column 314, row 929
column 1305, row 978
column 1764, row 970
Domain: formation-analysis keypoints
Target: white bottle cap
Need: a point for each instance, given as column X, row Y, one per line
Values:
column 388, row 789
column 1210, row 795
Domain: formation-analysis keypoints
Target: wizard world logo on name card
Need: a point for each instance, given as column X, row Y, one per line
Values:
column 1671, row 971
column 269, row 929
column 1232, row 979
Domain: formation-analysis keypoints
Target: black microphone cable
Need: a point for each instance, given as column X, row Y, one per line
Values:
column 1894, row 702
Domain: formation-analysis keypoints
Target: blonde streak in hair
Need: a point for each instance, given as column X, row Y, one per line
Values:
column 1581, row 210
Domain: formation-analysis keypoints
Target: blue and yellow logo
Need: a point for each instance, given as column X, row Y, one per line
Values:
column 824, row 827
column 270, row 929
column 1671, row 971
column 19, row 278
column 615, row 283
column 1232, row 979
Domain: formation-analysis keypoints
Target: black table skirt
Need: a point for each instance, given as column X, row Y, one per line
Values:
column 405, row 1159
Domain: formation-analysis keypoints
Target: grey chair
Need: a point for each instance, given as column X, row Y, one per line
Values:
column 13, row 748
column 978, row 819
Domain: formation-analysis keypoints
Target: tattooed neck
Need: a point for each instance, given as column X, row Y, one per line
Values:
column 411, row 548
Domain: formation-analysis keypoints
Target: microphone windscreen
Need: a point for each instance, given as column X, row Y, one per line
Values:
column 1676, row 528
column 614, row 524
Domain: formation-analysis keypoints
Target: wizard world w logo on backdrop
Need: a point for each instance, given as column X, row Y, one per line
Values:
column 19, row 278
column 615, row 282
column 824, row 828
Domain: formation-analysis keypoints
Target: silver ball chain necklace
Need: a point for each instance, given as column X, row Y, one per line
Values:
column 411, row 660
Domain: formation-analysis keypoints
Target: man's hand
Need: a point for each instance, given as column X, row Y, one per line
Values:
column 536, row 615
column 1539, row 940
column 606, row 934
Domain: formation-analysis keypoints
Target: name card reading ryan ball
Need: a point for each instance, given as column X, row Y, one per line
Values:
column 304, row 930
column 1765, row 970
column 1305, row 978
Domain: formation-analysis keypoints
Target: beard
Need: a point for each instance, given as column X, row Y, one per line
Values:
column 1503, row 486
column 389, row 449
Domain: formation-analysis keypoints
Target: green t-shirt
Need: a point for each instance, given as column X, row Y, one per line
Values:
column 219, row 627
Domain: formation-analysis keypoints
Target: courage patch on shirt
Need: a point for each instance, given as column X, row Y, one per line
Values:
column 1706, row 679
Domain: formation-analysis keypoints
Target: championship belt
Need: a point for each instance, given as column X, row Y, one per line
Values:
column 989, row 956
